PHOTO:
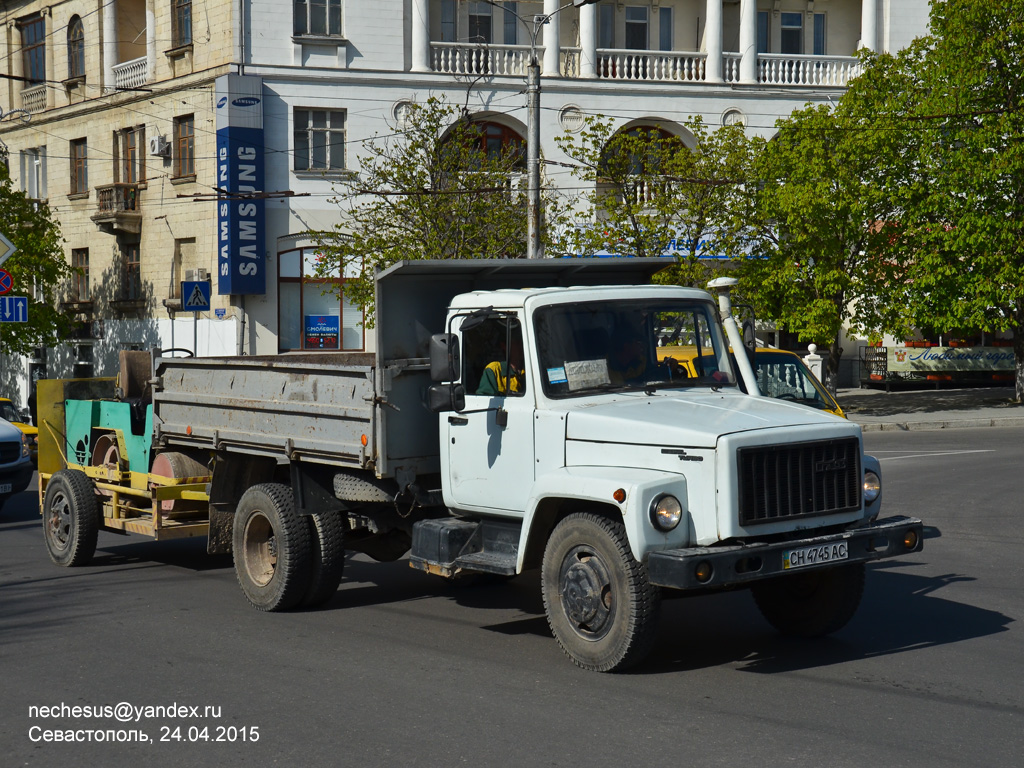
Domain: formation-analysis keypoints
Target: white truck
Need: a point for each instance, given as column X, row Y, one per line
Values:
column 514, row 416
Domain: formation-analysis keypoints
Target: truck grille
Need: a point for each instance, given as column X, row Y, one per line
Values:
column 799, row 480
column 9, row 452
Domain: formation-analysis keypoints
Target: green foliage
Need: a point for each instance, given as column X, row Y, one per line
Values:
column 430, row 191
column 38, row 269
column 649, row 188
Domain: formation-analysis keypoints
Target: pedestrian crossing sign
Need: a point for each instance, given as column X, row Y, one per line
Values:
column 195, row 295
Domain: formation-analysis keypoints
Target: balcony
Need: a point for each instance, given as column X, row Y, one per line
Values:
column 131, row 74
column 773, row 69
column 33, row 98
column 118, row 208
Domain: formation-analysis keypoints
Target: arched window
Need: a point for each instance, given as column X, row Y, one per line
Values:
column 482, row 142
column 312, row 314
column 496, row 139
column 76, row 48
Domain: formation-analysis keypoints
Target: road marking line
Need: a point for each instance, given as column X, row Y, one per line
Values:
column 928, row 454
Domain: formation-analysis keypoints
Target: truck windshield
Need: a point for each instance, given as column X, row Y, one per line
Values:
column 590, row 347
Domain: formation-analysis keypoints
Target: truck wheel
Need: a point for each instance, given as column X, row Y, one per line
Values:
column 811, row 604
column 271, row 548
column 600, row 606
column 71, row 518
column 328, row 554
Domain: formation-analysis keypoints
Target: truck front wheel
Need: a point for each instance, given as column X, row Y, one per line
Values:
column 600, row 605
column 811, row 604
column 271, row 546
column 71, row 518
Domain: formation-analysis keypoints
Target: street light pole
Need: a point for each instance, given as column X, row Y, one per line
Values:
column 534, row 249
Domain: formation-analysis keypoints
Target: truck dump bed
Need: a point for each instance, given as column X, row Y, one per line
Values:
column 310, row 407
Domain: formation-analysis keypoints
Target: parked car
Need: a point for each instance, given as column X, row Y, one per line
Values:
column 15, row 461
column 780, row 374
column 20, row 420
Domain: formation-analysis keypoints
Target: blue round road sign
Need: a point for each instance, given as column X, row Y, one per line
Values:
column 5, row 281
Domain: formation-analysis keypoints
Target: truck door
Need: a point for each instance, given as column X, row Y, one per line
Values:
column 490, row 465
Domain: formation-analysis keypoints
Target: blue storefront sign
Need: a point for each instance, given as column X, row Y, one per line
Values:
column 322, row 331
column 241, row 232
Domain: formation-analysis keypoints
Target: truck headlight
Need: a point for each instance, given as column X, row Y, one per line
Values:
column 872, row 487
column 666, row 512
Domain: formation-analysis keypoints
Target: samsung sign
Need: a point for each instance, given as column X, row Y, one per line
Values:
column 241, row 231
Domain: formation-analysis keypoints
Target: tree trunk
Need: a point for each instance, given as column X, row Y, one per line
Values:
column 831, row 381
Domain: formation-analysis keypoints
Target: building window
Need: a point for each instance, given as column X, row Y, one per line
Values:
column 313, row 312
column 318, row 17
column 76, row 48
column 480, row 23
column 606, row 26
column 819, row 34
column 129, row 152
column 181, row 23
column 83, row 366
column 511, row 24
column 33, row 48
column 184, row 146
column 79, row 167
column 132, row 285
column 665, row 29
column 447, row 21
column 636, row 28
column 33, row 173
column 319, row 140
column 792, row 33
column 762, row 31
column 80, row 281
column 497, row 139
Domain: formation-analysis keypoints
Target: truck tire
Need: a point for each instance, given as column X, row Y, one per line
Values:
column 328, row 557
column 71, row 518
column 271, row 548
column 811, row 604
column 600, row 605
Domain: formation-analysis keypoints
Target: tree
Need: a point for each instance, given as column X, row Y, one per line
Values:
column 438, row 188
column 822, row 209
column 38, row 269
column 651, row 193
column 962, row 224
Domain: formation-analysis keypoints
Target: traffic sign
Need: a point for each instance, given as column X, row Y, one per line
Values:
column 195, row 295
column 5, row 281
column 13, row 309
column 6, row 248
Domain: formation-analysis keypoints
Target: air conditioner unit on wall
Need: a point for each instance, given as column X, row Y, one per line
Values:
column 158, row 145
column 196, row 275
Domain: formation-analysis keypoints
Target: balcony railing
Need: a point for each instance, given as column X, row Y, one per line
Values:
column 33, row 98
column 118, row 207
column 131, row 74
column 468, row 59
column 649, row 65
column 781, row 69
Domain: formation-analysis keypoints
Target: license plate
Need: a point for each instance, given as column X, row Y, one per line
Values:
column 823, row 553
column 5, row 487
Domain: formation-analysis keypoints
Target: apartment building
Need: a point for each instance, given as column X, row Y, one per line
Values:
column 292, row 91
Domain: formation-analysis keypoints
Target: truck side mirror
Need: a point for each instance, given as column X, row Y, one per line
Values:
column 442, row 398
column 749, row 340
column 444, row 357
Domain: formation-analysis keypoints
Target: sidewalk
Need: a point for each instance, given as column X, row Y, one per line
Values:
column 876, row 409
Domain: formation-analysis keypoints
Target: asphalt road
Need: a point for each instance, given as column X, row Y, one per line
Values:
column 400, row 669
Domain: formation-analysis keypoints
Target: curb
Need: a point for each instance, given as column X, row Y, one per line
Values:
column 922, row 426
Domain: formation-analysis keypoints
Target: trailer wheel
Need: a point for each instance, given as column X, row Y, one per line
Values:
column 71, row 518
column 271, row 548
column 811, row 604
column 600, row 605
column 328, row 554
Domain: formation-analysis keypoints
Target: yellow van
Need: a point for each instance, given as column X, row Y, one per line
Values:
column 780, row 374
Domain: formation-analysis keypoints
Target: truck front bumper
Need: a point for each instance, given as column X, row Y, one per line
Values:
column 700, row 568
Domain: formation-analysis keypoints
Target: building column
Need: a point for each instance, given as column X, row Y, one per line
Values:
column 869, row 24
column 713, row 42
column 51, row 72
column 151, row 41
column 748, row 41
column 420, row 35
column 552, row 37
column 588, row 41
column 109, row 44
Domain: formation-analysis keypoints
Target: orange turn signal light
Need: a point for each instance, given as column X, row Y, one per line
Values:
column 910, row 539
column 363, row 440
column 619, row 495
